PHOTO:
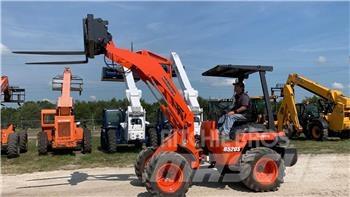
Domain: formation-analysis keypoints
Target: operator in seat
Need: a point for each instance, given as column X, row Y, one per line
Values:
column 238, row 112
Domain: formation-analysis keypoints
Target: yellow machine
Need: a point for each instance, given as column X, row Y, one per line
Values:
column 333, row 120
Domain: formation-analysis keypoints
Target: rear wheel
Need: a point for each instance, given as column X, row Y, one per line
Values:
column 153, row 137
column 111, row 141
column 316, row 131
column 42, row 143
column 266, row 169
column 86, row 141
column 103, row 140
column 168, row 174
column 12, row 146
column 142, row 161
column 23, row 141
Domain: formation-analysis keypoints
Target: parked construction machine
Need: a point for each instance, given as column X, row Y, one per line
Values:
column 12, row 142
column 257, row 156
column 332, row 120
column 125, row 127
column 60, row 131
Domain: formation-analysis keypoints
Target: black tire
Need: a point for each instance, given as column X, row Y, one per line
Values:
column 153, row 137
column 155, row 167
column 12, row 146
column 141, row 160
column 86, row 141
column 290, row 131
column 23, row 141
column 111, row 141
column 249, row 163
column 316, row 131
column 103, row 141
column 42, row 143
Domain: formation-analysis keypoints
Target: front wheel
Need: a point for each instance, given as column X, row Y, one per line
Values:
column 266, row 169
column 168, row 174
column 142, row 161
column 12, row 146
column 111, row 140
column 23, row 141
column 86, row 141
column 42, row 143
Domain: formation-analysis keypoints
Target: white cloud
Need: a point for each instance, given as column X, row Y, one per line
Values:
column 216, row 82
column 337, row 85
column 93, row 98
column 4, row 49
column 321, row 59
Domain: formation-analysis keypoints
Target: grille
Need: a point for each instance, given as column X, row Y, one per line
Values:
column 64, row 129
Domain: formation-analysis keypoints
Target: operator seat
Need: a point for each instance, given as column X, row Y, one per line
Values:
column 248, row 125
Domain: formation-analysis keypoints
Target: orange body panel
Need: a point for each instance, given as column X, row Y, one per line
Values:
column 229, row 152
column 66, row 134
column 5, row 133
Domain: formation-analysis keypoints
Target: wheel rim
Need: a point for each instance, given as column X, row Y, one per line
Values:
column 169, row 178
column 316, row 133
column 266, row 171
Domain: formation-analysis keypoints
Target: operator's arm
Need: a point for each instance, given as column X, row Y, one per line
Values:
column 244, row 103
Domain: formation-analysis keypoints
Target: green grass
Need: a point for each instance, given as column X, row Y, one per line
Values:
column 316, row 147
column 31, row 162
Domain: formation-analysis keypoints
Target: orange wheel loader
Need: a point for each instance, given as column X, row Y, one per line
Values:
column 256, row 156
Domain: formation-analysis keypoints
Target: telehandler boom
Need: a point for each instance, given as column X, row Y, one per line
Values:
column 335, row 106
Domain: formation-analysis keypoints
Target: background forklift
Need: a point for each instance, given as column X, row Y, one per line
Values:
column 12, row 142
column 329, row 117
column 60, row 131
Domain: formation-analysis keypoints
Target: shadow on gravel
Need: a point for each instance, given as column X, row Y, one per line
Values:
column 78, row 177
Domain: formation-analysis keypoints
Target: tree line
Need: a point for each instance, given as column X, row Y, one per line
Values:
column 28, row 114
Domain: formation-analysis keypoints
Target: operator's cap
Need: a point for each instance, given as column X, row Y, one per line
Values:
column 239, row 83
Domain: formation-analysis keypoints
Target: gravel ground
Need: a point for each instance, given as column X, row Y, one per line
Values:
column 313, row 175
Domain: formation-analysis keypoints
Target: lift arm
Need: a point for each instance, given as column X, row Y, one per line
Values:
column 133, row 94
column 66, row 83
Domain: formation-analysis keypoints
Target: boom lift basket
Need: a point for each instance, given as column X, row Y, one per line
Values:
column 75, row 85
column 14, row 94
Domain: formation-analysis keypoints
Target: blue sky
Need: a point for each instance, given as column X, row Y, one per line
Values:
column 309, row 38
